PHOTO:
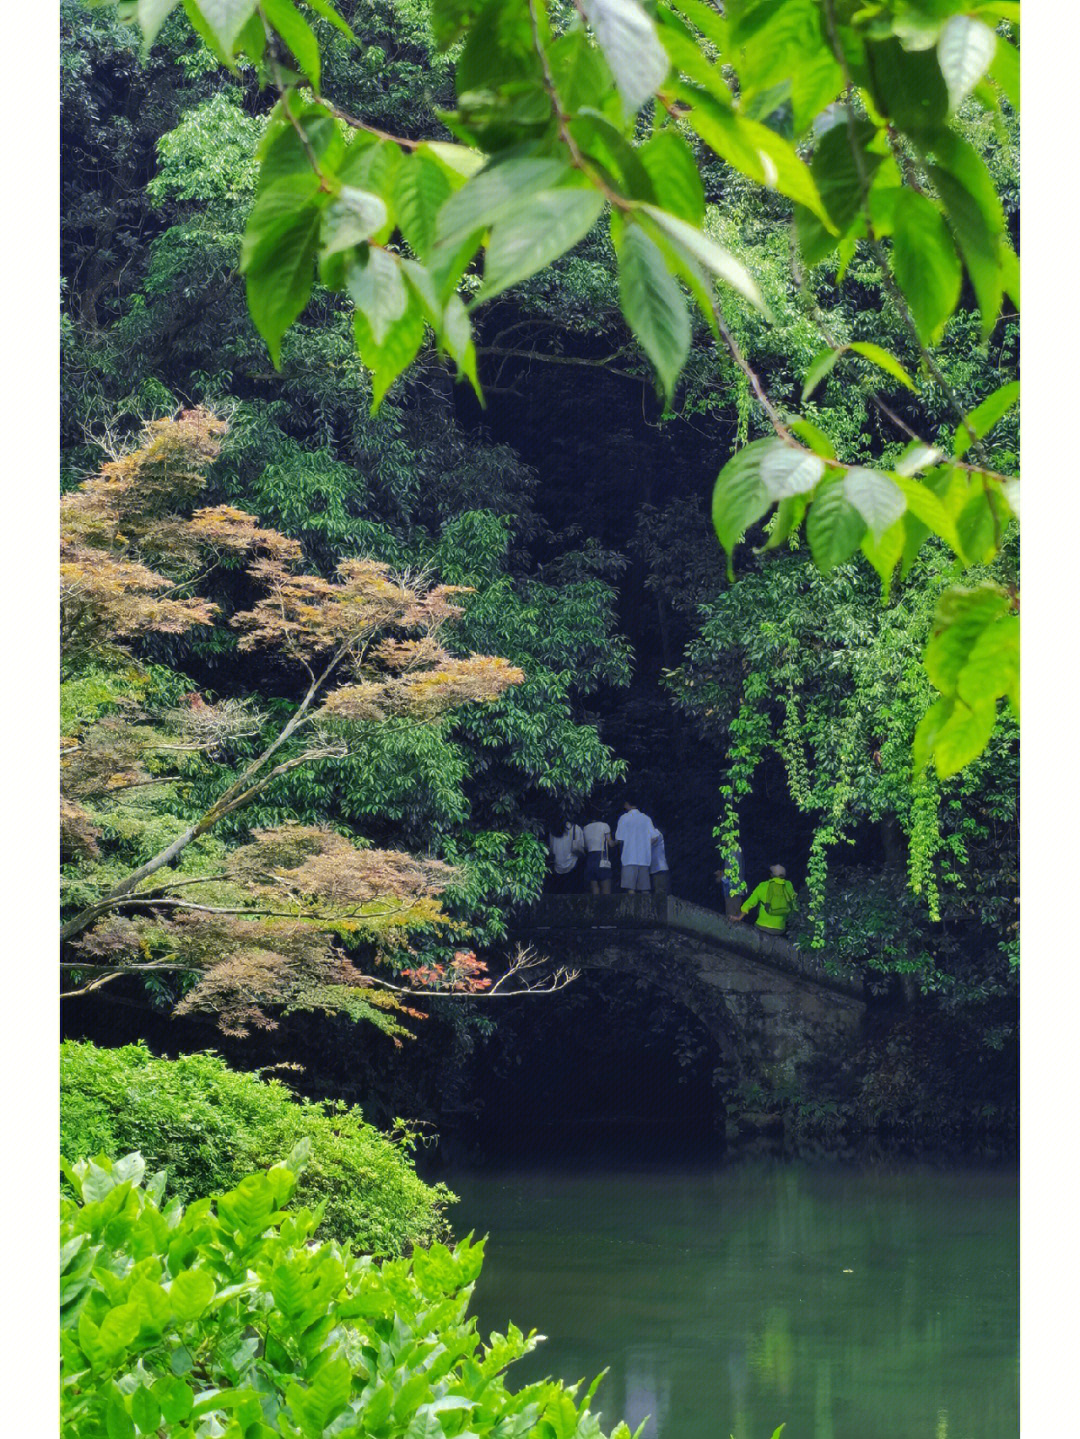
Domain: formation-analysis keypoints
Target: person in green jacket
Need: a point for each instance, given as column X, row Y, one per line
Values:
column 776, row 896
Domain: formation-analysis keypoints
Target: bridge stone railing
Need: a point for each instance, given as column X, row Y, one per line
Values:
column 660, row 911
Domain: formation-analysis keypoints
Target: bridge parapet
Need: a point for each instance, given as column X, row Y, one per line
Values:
column 659, row 911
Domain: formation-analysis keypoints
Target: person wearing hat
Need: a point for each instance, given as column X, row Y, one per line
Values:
column 776, row 897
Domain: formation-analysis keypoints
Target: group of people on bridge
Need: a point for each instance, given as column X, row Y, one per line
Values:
column 636, row 849
column 590, row 856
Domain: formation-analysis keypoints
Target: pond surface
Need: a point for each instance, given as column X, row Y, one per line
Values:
column 847, row 1301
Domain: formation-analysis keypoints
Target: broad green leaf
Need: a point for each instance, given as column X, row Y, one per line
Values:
column 421, row 188
column 834, row 527
column 720, row 262
column 786, row 471
column 190, row 1292
column 354, row 216
column 960, row 618
column 225, row 19
column 820, row 366
column 675, row 176
column 456, row 339
column 152, row 15
column 276, row 212
column 962, row 735
column 964, row 50
column 812, row 436
column 175, row 1398
column 908, row 87
column 757, row 151
column 627, row 37
column 377, row 289
column 884, row 552
column 297, row 34
column 279, row 270
column 145, row 1410
column 460, row 160
column 328, row 12
column 653, row 305
column 281, row 154
column 711, row 24
column 916, row 457
column 788, row 517
column 392, row 356
column 118, row 1422
column 884, row 361
column 740, row 497
column 985, row 416
column 926, row 506
column 498, row 191
column 604, row 143
column 975, row 215
column 522, row 244
column 925, row 263
column 993, row 664
column 877, row 498
column 1005, row 70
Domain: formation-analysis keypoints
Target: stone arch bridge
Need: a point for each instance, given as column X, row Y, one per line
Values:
column 772, row 1009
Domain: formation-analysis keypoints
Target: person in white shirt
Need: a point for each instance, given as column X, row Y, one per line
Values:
column 658, row 866
column 597, row 856
column 566, row 849
column 634, row 834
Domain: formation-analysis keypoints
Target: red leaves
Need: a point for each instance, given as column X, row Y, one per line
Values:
column 464, row 975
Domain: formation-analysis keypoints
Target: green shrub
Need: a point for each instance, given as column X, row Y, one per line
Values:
column 227, row 1320
column 207, row 1126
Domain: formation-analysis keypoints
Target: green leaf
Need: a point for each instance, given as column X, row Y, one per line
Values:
column 392, row 356
column 675, row 176
column 190, row 1292
column 175, row 1398
column 960, row 618
column 627, row 37
column 928, row 508
column 353, row 217
column 460, row 161
column 915, row 457
column 527, row 242
column 960, row 736
column 740, row 496
column 711, row 24
column 1005, row 70
column 297, row 34
column 993, row 664
column 834, row 527
column 377, row 289
column 145, row 1410
column 884, row 361
column 975, row 215
column 152, row 15
column 820, row 366
column 720, row 262
column 281, row 154
column 884, row 552
column 877, row 498
column 456, row 339
column 279, row 268
column 908, row 86
column 985, row 416
column 786, row 471
column 925, row 263
column 328, row 12
column 964, row 50
column 118, row 1422
column 225, row 19
column 498, row 191
column 421, row 188
column 653, row 305
column 811, row 435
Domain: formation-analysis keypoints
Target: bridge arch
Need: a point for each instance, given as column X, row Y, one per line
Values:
column 773, row 1011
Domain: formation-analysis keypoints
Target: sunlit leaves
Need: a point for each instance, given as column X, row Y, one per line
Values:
column 823, row 363
column 834, row 525
column 925, row 263
column 653, row 305
column 876, row 497
column 965, row 49
column 225, row 19
column 279, row 257
column 627, row 37
column 421, row 188
column 353, row 217
column 786, row 471
column 523, row 244
column 377, row 288
column 707, row 253
column 740, row 497
column 676, row 181
column 985, row 416
column 973, row 658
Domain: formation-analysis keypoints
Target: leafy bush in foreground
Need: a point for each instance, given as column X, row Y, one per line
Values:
column 207, row 1126
column 226, row 1319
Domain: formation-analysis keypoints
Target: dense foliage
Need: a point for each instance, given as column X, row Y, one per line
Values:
column 227, row 1318
column 206, row 1126
column 549, row 113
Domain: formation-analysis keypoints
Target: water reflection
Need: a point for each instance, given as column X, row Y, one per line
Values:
column 852, row 1303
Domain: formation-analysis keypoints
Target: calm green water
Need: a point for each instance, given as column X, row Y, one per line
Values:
column 721, row 1302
